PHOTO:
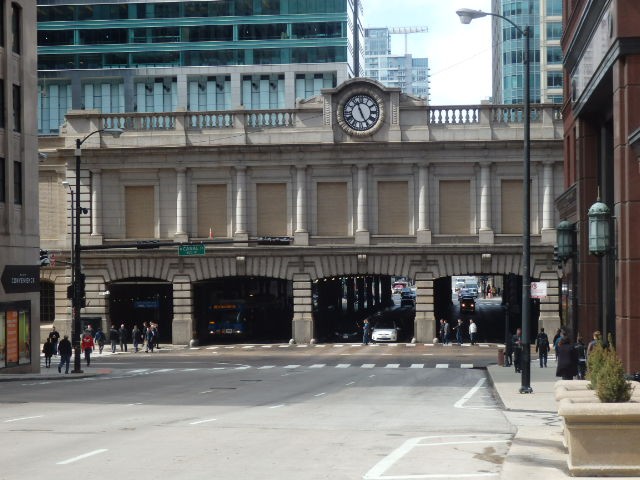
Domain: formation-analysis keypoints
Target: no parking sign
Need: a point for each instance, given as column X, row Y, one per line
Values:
column 538, row 289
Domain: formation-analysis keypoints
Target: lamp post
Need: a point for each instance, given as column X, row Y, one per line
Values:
column 466, row 15
column 78, row 278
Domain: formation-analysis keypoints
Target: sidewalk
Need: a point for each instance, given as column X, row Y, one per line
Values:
column 537, row 450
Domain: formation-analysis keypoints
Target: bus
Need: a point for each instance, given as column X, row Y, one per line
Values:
column 227, row 319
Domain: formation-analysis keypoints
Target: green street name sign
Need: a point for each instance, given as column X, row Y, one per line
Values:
column 186, row 250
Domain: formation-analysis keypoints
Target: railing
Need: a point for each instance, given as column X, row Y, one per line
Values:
column 139, row 121
column 200, row 120
column 457, row 115
column 264, row 119
column 468, row 115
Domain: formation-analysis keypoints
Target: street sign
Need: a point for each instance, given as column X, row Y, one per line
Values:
column 539, row 290
column 21, row 278
column 188, row 250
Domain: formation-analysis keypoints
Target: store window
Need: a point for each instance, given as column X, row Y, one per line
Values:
column 15, row 334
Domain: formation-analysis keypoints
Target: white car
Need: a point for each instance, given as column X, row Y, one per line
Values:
column 385, row 331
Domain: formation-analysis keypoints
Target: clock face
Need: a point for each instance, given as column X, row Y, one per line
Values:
column 361, row 112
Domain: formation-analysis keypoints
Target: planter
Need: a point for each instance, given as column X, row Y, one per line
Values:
column 602, row 438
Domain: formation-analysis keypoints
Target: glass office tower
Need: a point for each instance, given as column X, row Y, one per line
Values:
column 199, row 55
column 544, row 18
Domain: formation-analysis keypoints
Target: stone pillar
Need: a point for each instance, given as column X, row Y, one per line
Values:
column 362, row 231
column 548, row 228
column 549, row 316
column 184, row 330
column 301, row 234
column 181, row 204
column 302, row 326
column 424, row 227
column 485, row 235
column 96, row 206
column 424, row 326
column 241, row 206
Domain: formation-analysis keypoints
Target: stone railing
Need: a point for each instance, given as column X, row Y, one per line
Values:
column 479, row 114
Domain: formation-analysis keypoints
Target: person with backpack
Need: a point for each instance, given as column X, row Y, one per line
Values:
column 100, row 339
column 542, row 347
column 47, row 349
column 581, row 350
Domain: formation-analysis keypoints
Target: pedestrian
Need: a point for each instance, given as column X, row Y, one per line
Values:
column 458, row 328
column 581, row 352
column 113, row 338
column 542, row 347
column 135, row 338
column 508, row 350
column 516, row 342
column 100, row 339
column 156, row 337
column 87, row 347
column 149, row 338
column 47, row 349
column 567, row 359
column 556, row 339
column 64, row 350
column 366, row 332
column 473, row 331
column 597, row 339
column 55, row 338
column 90, row 331
column 447, row 332
column 123, row 336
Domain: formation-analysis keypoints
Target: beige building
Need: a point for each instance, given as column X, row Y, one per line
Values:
column 367, row 182
column 19, row 238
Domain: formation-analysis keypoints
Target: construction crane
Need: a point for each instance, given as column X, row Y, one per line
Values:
column 405, row 31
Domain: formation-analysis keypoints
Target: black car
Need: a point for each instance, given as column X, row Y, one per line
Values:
column 467, row 304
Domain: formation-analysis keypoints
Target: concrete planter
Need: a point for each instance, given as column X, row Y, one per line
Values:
column 602, row 438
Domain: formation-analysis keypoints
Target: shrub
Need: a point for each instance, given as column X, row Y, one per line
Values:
column 595, row 361
column 611, row 384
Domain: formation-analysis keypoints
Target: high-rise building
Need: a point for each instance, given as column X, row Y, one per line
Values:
column 544, row 19
column 158, row 56
column 409, row 74
column 19, row 202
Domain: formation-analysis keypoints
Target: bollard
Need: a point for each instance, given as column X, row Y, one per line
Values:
column 501, row 357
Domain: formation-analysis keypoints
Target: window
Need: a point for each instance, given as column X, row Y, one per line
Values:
column 17, row 183
column 47, row 302
column 554, row 31
column 17, row 109
column 15, row 28
column 554, row 79
column 554, row 8
column 554, row 55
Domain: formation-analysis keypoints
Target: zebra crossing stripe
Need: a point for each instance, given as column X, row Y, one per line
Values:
column 442, row 365
column 265, row 367
column 466, row 365
column 392, row 365
column 318, row 365
column 343, row 365
column 291, row 366
column 417, row 365
column 368, row 365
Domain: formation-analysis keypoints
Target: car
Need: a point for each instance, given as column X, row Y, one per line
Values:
column 397, row 287
column 467, row 304
column 464, row 292
column 385, row 330
column 407, row 292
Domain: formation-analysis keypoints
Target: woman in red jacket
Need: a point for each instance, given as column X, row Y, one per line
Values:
column 87, row 347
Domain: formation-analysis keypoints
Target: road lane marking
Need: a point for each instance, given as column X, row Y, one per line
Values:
column 198, row 422
column 417, row 365
column 164, row 370
column 392, row 365
column 368, row 365
column 22, row 418
column 81, row 457
column 318, row 365
column 140, row 370
column 350, row 383
column 379, row 469
column 460, row 403
column 277, row 406
column 442, row 365
column 466, row 365
column 320, row 394
column 291, row 366
column 266, row 367
column 343, row 365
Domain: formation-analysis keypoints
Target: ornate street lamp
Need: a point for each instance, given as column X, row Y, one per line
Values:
column 566, row 247
column 599, row 221
column 78, row 277
column 466, row 16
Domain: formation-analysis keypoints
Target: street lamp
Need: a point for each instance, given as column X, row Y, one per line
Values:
column 78, row 278
column 466, row 15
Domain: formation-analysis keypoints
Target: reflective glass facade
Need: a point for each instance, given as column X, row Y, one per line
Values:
column 121, row 57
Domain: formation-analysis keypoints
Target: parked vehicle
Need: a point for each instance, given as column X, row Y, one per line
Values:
column 467, row 304
column 397, row 287
column 385, row 330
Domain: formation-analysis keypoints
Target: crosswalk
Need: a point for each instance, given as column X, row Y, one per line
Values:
column 336, row 346
column 290, row 367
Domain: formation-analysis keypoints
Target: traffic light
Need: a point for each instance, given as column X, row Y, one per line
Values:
column 44, row 258
column 81, row 286
column 70, row 291
column 514, row 298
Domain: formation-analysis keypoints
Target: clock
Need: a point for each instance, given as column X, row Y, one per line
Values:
column 361, row 113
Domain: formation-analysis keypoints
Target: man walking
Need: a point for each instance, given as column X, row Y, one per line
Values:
column 517, row 350
column 55, row 338
column 473, row 331
column 458, row 329
column 113, row 338
column 64, row 350
column 122, row 335
column 542, row 347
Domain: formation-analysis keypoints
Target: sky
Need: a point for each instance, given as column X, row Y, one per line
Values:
column 459, row 55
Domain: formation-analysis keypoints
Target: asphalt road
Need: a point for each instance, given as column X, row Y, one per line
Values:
column 281, row 412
